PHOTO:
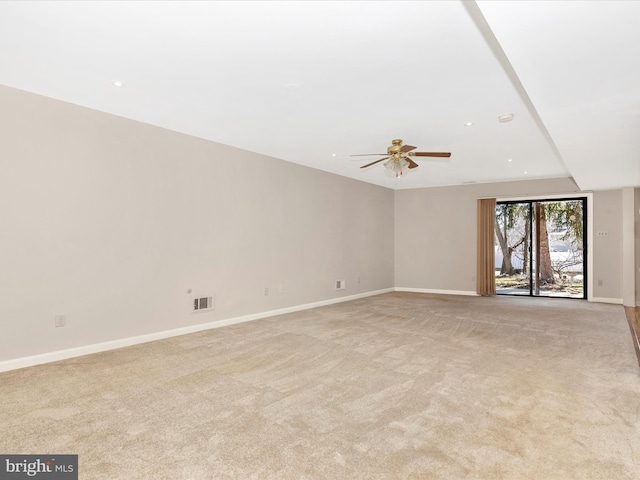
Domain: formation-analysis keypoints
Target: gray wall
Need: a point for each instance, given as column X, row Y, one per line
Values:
column 636, row 216
column 435, row 229
column 111, row 222
column 607, row 250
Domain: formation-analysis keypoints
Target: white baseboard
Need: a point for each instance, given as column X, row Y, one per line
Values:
column 30, row 361
column 617, row 301
column 441, row 292
column 33, row 360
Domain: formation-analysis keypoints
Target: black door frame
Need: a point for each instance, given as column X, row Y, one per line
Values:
column 585, row 243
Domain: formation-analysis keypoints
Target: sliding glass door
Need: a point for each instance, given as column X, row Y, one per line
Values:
column 540, row 248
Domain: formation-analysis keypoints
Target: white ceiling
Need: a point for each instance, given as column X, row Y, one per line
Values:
column 304, row 81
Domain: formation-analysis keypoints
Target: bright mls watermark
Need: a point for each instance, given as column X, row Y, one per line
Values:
column 50, row 467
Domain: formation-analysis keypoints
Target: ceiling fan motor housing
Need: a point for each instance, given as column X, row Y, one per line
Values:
column 395, row 147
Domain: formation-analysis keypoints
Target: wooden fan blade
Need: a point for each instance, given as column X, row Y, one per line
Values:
column 412, row 164
column 366, row 154
column 430, row 154
column 373, row 163
column 407, row 148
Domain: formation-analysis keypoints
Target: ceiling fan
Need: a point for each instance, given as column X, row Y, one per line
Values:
column 398, row 157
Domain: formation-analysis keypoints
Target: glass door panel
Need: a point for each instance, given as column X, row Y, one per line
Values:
column 513, row 248
column 561, row 249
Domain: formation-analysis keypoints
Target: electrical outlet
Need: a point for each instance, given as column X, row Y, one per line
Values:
column 603, row 233
column 60, row 320
column 341, row 284
column 266, row 291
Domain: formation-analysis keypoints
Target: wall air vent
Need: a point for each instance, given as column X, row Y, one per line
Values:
column 203, row 303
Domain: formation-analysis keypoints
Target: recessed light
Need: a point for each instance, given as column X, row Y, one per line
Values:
column 509, row 159
column 118, row 83
column 468, row 124
column 526, row 173
column 333, row 154
column 507, row 117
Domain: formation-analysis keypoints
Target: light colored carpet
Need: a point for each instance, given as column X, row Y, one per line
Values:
column 397, row 386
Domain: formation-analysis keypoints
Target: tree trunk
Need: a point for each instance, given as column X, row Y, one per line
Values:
column 525, row 263
column 506, row 267
column 546, row 272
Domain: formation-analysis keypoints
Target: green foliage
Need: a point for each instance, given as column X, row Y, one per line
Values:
column 507, row 213
column 566, row 215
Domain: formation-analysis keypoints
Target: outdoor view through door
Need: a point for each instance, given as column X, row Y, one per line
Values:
column 540, row 248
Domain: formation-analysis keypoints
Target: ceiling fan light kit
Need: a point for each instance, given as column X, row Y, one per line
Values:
column 397, row 156
column 396, row 168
